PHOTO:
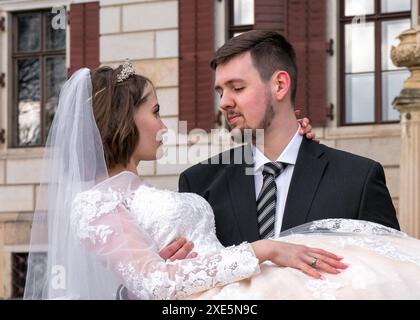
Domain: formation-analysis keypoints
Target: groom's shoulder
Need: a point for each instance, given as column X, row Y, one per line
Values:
column 340, row 157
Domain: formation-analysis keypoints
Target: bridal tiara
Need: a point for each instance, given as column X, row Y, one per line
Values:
column 126, row 71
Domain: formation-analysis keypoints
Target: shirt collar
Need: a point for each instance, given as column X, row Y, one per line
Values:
column 289, row 154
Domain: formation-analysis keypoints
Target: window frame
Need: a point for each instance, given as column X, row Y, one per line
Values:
column 42, row 54
column 377, row 18
column 232, row 28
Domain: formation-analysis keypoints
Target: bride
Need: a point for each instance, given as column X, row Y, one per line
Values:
column 102, row 226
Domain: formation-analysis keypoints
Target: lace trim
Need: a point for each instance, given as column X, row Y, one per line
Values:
column 87, row 208
column 344, row 226
column 196, row 275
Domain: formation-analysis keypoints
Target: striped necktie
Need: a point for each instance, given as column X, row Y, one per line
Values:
column 267, row 199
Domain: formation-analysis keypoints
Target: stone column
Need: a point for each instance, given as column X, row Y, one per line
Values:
column 2, row 263
column 407, row 54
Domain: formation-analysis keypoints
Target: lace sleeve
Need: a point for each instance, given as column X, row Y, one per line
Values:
column 104, row 224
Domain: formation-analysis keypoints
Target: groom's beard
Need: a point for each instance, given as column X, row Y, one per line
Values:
column 239, row 135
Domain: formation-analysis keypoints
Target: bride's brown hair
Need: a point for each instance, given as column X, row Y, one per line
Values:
column 114, row 104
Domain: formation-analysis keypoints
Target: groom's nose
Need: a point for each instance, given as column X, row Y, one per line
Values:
column 226, row 102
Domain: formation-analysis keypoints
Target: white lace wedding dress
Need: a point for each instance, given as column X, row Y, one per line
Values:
column 125, row 222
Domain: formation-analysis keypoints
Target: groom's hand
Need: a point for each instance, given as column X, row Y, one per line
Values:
column 178, row 250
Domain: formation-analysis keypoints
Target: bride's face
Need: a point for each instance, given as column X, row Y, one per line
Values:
column 151, row 129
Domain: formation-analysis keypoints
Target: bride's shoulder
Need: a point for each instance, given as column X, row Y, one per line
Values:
column 151, row 190
column 146, row 189
column 112, row 189
column 96, row 199
column 148, row 194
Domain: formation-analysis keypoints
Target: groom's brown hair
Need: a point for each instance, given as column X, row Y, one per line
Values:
column 113, row 105
column 270, row 51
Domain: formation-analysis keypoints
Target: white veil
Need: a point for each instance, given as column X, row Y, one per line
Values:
column 73, row 162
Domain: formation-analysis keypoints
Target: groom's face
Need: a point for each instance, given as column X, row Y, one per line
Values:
column 245, row 100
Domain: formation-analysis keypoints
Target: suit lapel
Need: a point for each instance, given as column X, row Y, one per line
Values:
column 242, row 195
column 307, row 174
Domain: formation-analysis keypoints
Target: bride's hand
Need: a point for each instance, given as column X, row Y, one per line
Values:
column 178, row 250
column 306, row 128
column 308, row 260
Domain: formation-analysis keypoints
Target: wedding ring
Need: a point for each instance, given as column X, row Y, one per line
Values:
column 313, row 263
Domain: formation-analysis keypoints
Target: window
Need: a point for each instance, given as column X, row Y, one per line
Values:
column 370, row 81
column 39, row 70
column 20, row 267
column 241, row 17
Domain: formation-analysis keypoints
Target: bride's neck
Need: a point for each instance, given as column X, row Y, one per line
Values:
column 131, row 166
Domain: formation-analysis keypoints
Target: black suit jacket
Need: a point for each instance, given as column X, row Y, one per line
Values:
column 326, row 183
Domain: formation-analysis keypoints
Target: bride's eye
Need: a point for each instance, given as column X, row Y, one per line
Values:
column 156, row 111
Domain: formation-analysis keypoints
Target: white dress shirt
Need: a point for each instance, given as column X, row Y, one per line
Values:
column 289, row 156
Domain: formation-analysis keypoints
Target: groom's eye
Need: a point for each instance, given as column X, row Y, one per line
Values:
column 238, row 89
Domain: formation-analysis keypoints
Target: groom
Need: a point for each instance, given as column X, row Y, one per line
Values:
column 293, row 180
